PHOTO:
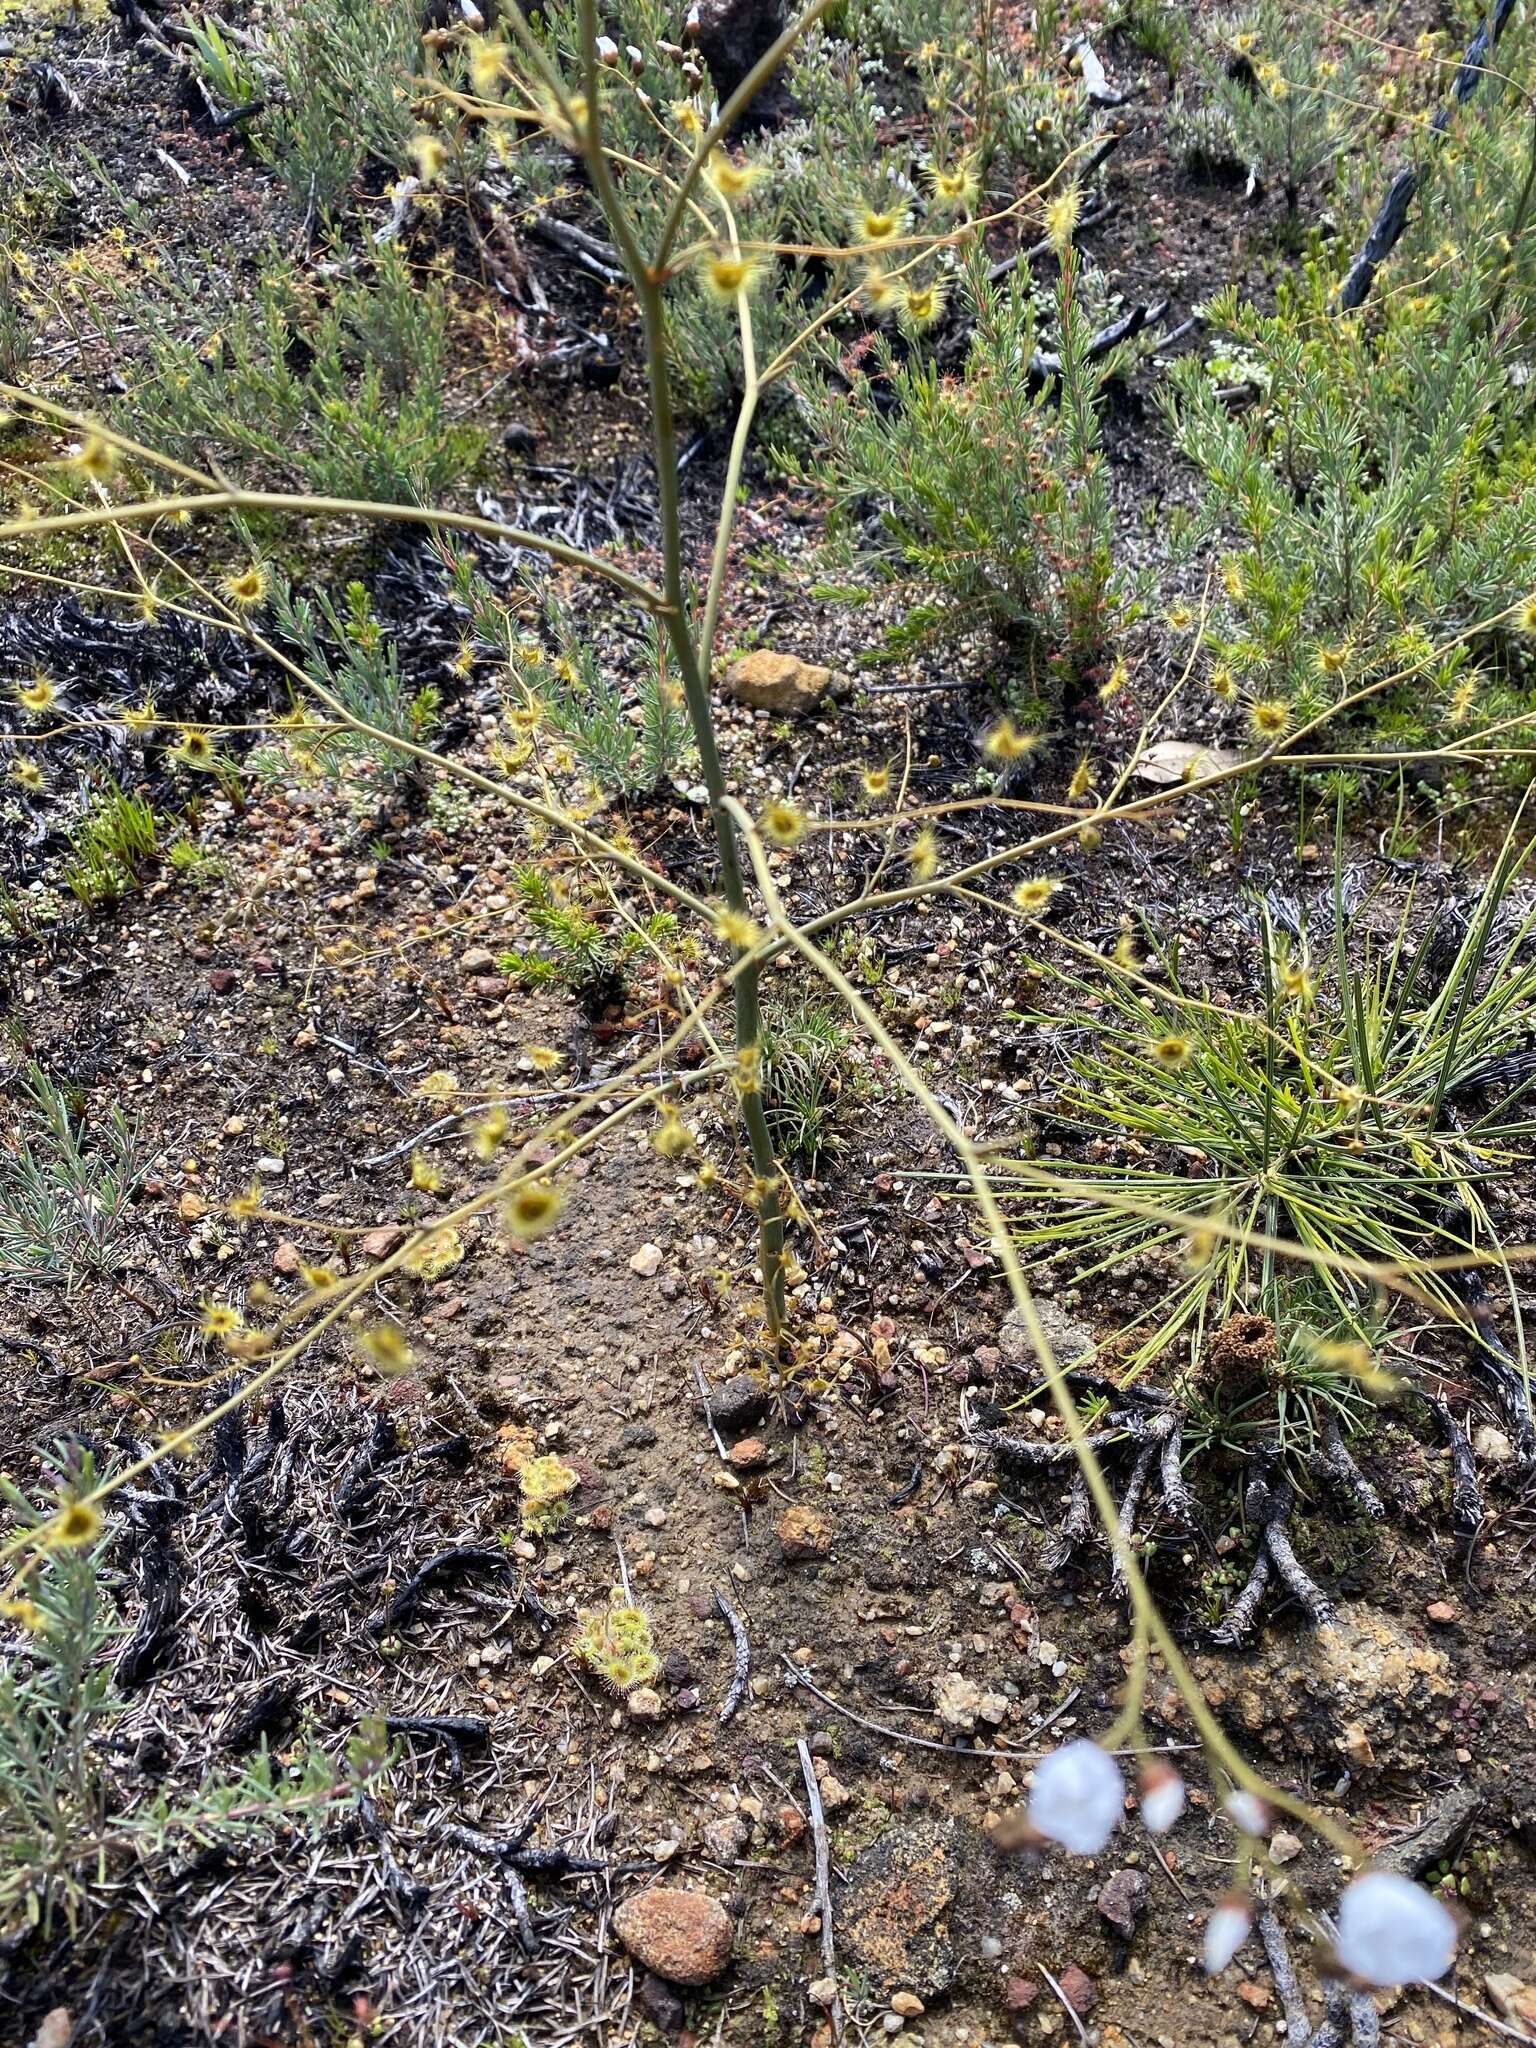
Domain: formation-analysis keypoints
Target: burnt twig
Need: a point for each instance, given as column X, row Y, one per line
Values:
column 905, row 1493
column 1032, row 1455
column 1129, row 1508
column 1439, row 1835
column 512, row 1858
column 468, row 1728
column 359, row 1487
column 743, row 1648
column 1180, row 1501
column 411, row 1892
column 822, row 1899
column 598, row 259
column 1295, row 1574
column 1332, row 1459
column 1298, row 2028
column 1268, row 1500
column 1467, row 1508
column 1076, row 1527
column 1392, row 217
column 1046, row 363
column 1240, row 1616
column 453, row 1562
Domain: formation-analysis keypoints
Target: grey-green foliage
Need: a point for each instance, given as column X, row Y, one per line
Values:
column 1273, row 97
column 641, row 111
column 65, row 1186
column 340, row 387
column 18, row 327
column 966, row 80
column 1378, row 498
column 986, row 490
column 347, row 650
column 65, row 1824
column 337, row 75
column 56, row 1703
column 588, row 705
column 628, row 728
column 1474, row 206
column 1158, row 29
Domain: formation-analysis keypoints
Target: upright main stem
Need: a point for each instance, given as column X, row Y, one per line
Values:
column 693, row 662
column 693, row 659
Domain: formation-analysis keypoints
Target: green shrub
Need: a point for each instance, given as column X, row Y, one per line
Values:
column 1156, row 28
column 974, row 88
column 340, row 387
column 1472, row 210
column 56, row 1703
column 346, row 650
column 18, row 328
column 629, row 735
column 65, row 1189
column 1272, row 98
column 889, row 66
column 578, row 950
column 337, row 77
column 988, row 488
column 1379, row 497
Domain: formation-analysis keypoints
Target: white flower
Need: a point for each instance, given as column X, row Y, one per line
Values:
column 1392, row 1932
column 1078, row 1797
column 1162, row 1798
column 1246, row 1812
column 1225, row 1932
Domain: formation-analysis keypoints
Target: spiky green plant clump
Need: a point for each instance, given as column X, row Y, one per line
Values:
column 577, row 949
column 347, row 650
column 109, row 846
column 804, row 1072
column 1364, row 1116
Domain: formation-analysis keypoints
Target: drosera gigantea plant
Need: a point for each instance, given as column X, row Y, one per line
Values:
column 390, row 1349
column 528, row 1194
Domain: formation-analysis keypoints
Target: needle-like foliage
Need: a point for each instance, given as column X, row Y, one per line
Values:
column 1369, row 1113
column 64, row 1191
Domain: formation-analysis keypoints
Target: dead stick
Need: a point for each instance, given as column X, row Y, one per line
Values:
column 743, row 1650
column 1298, row 2028
column 1128, row 1511
column 823, row 1899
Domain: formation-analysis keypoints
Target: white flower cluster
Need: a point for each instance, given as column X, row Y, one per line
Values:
column 1391, row 1931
